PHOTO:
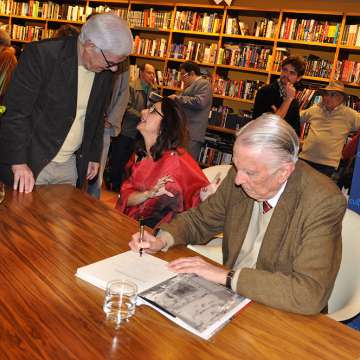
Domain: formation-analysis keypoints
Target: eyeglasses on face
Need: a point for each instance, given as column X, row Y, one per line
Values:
column 109, row 64
column 153, row 110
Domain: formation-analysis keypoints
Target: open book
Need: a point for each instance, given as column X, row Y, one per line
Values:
column 195, row 304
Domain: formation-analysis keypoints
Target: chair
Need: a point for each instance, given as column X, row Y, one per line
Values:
column 212, row 171
column 213, row 249
column 344, row 302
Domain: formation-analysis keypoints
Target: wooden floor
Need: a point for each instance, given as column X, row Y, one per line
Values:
column 108, row 197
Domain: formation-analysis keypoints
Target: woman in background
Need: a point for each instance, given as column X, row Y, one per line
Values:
column 164, row 180
column 8, row 63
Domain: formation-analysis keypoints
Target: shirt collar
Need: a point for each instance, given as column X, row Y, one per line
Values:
column 339, row 107
column 274, row 200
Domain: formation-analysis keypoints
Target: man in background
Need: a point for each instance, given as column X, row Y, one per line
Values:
column 281, row 222
column 196, row 100
column 329, row 125
column 123, row 146
column 279, row 96
column 53, row 128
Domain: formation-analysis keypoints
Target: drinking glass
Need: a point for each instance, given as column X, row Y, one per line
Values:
column 120, row 300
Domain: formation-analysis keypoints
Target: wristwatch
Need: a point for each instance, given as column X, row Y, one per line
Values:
column 229, row 277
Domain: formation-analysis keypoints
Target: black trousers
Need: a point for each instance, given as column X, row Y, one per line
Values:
column 121, row 149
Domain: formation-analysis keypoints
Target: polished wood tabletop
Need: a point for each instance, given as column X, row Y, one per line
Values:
column 48, row 313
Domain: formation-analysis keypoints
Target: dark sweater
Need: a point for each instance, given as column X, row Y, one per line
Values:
column 269, row 95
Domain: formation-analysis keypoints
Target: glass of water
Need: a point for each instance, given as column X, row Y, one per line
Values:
column 120, row 301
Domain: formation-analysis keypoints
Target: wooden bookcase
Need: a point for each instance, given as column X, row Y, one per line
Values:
column 239, row 47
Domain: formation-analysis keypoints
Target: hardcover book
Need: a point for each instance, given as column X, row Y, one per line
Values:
column 197, row 305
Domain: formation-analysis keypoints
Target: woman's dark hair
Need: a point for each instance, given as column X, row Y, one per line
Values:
column 173, row 130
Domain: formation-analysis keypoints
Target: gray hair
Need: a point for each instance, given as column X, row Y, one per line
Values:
column 271, row 133
column 109, row 33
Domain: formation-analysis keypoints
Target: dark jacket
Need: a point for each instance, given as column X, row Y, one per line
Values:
column 41, row 107
column 269, row 95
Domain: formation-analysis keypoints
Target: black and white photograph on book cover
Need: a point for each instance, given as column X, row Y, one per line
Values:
column 197, row 302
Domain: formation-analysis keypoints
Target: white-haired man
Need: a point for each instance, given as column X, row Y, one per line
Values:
column 281, row 222
column 53, row 128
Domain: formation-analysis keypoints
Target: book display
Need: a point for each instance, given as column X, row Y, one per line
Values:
column 238, row 48
column 196, row 304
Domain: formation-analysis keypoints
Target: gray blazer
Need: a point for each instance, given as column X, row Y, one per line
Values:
column 196, row 101
column 138, row 100
column 119, row 98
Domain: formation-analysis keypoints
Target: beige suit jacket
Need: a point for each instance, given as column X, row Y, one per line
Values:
column 301, row 250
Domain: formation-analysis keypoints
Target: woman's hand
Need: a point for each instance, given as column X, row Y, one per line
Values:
column 159, row 189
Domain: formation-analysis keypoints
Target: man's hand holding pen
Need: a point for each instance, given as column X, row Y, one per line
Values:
column 149, row 243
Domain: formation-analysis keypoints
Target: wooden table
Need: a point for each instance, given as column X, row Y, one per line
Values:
column 47, row 313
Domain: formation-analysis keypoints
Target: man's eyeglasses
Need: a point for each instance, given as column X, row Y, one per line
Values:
column 153, row 109
column 109, row 64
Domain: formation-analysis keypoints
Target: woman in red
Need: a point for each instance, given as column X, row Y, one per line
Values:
column 164, row 179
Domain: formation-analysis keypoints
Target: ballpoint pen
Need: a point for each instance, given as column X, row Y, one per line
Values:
column 141, row 223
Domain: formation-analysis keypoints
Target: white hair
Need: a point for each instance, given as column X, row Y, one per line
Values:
column 272, row 134
column 109, row 33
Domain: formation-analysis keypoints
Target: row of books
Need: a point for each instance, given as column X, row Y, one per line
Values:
column 241, row 89
column 150, row 18
column 317, row 67
column 196, row 21
column 172, row 78
column 353, row 102
column 309, row 30
column 307, row 97
column 347, row 71
column 263, row 28
column 279, row 57
column 121, row 12
column 210, row 156
column 134, row 72
column 150, row 47
column 5, row 7
column 28, row 33
column 224, row 116
column 197, row 51
column 50, row 10
column 351, row 36
column 244, row 55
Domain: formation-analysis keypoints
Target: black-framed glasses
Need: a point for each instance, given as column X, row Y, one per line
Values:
column 153, row 109
column 109, row 64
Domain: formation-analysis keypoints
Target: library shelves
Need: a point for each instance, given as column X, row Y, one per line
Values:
column 239, row 48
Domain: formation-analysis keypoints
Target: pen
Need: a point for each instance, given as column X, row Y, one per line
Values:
column 141, row 223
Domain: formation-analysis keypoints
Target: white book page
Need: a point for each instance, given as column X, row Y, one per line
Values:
column 145, row 271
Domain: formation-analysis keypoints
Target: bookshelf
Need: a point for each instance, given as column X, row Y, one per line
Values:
column 239, row 47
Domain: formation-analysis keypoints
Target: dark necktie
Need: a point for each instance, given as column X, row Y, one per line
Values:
column 266, row 207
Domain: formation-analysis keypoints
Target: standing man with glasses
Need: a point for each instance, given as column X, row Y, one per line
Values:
column 52, row 131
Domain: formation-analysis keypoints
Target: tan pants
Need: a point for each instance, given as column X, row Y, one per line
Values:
column 58, row 173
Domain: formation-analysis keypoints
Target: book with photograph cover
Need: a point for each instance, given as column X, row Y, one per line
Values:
column 198, row 305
